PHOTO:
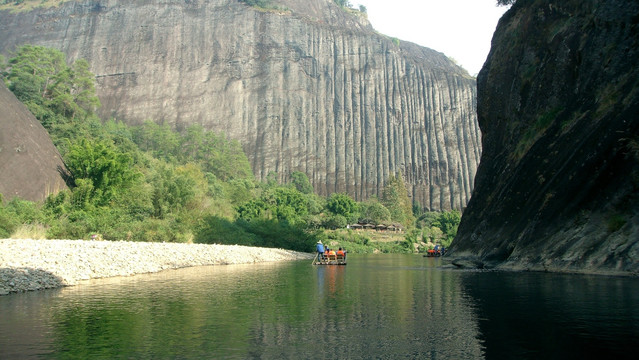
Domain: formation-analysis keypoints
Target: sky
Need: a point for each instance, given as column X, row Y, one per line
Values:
column 461, row 29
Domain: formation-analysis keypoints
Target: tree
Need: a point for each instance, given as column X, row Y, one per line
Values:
column 395, row 198
column 342, row 204
column 107, row 170
column 281, row 203
column 160, row 140
column 335, row 222
column 505, row 2
column 40, row 77
column 448, row 222
column 301, row 182
column 32, row 70
column 176, row 188
column 374, row 211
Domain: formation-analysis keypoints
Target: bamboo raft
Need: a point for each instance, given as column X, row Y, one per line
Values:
column 329, row 259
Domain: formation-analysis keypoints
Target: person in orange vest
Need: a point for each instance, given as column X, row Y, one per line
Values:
column 331, row 252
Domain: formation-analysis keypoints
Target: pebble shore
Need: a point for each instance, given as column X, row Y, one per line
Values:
column 27, row 264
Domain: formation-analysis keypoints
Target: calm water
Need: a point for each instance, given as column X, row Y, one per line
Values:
column 377, row 307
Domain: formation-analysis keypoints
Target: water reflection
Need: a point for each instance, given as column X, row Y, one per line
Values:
column 557, row 316
column 379, row 306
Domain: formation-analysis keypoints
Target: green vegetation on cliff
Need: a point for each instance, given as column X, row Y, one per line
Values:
column 151, row 183
column 26, row 5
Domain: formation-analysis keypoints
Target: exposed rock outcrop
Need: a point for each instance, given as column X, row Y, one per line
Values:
column 30, row 166
column 558, row 98
column 312, row 88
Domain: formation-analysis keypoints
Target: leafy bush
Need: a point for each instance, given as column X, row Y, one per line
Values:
column 218, row 230
column 16, row 213
column 281, row 203
column 343, row 205
column 301, row 183
column 374, row 212
column 52, row 90
column 103, row 169
column 335, row 222
column 258, row 232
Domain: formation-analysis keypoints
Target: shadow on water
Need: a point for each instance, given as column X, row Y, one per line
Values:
column 23, row 334
column 13, row 280
column 555, row 316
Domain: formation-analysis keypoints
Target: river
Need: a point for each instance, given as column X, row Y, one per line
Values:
column 376, row 307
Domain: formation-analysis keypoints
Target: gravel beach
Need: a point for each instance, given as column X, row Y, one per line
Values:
column 27, row 264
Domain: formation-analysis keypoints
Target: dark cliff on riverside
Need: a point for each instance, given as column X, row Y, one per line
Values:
column 30, row 166
column 558, row 105
column 311, row 88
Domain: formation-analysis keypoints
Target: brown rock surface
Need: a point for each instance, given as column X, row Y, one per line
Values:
column 30, row 165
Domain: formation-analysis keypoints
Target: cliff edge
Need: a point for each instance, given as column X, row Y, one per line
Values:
column 558, row 182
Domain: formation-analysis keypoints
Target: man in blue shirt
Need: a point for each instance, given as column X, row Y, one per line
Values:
column 320, row 250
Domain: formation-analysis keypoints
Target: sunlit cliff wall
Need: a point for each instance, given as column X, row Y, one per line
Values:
column 310, row 88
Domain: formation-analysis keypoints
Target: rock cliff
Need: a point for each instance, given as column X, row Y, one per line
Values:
column 310, row 87
column 558, row 99
column 30, row 166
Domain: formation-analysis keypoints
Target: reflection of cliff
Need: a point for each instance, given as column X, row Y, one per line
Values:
column 314, row 89
column 534, row 315
column 558, row 98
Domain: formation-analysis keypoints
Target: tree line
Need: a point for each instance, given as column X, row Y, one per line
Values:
column 152, row 183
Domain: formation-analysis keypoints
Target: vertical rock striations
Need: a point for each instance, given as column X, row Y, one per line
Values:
column 311, row 88
column 558, row 98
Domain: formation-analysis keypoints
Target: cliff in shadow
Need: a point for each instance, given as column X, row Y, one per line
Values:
column 310, row 87
column 30, row 166
column 558, row 100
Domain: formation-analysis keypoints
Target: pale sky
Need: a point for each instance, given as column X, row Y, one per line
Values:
column 461, row 29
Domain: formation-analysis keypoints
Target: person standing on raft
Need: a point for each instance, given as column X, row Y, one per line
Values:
column 320, row 250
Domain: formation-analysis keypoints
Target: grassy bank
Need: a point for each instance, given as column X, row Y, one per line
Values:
column 367, row 242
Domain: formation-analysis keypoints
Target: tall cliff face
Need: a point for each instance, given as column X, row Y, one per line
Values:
column 558, row 99
column 312, row 88
column 30, row 166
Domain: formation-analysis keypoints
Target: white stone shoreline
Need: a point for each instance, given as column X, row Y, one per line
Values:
column 27, row 264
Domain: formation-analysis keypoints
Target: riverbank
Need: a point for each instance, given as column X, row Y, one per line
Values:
column 27, row 264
